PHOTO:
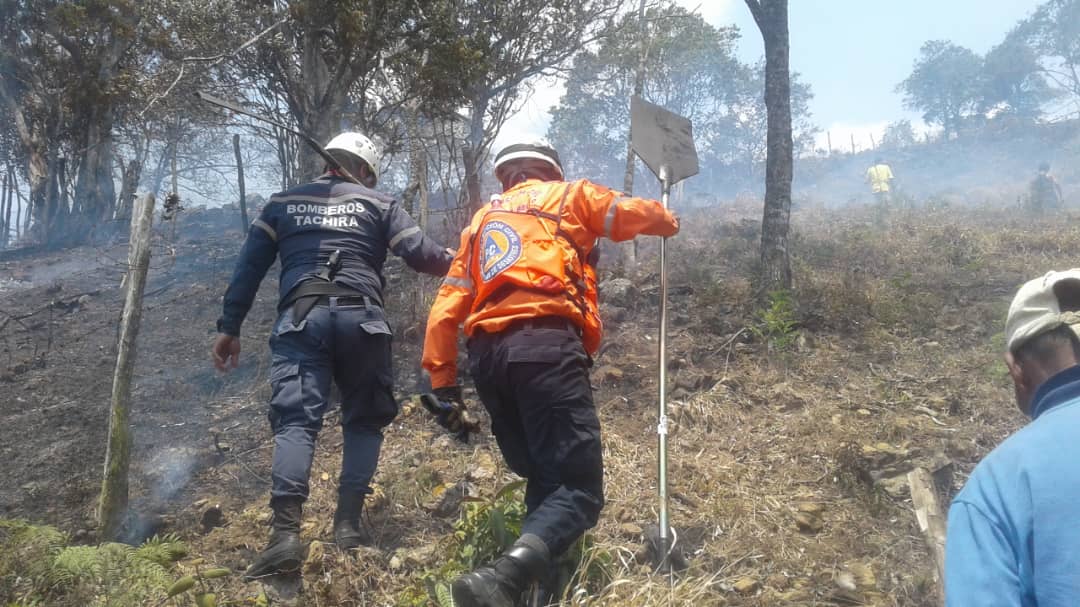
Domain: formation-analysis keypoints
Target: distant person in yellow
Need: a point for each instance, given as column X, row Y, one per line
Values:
column 879, row 176
column 1045, row 191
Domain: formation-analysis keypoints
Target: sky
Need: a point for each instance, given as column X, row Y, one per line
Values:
column 853, row 53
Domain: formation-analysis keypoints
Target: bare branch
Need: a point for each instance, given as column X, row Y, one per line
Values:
column 213, row 60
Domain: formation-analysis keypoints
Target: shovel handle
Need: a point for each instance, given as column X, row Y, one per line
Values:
column 662, row 424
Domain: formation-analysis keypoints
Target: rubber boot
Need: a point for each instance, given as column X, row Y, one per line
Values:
column 284, row 553
column 349, row 533
column 502, row 583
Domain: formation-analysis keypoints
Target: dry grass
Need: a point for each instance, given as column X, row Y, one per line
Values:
column 896, row 364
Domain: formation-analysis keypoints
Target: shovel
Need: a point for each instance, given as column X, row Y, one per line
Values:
column 665, row 143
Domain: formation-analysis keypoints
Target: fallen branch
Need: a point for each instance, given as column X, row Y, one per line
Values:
column 931, row 520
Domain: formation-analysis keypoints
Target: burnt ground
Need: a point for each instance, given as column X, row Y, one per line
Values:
column 790, row 439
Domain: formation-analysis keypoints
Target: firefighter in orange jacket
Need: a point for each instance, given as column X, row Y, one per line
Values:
column 523, row 285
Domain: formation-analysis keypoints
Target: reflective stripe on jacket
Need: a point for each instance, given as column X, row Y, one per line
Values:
column 488, row 285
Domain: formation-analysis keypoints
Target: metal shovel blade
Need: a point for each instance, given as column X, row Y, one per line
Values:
column 662, row 138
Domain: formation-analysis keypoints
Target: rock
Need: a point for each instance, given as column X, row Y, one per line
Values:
column 895, row 486
column 808, row 523
column 688, row 382
column 449, row 503
column 608, row 374
column 613, row 315
column 846, row 581
column 483, row 468
column 420, row 557
column 443, row 443
column 747, row 585
column 862, row 573
column 618, row 292
column 777, row 581
column 798, row 596
column 213, row 516
column 376, row 500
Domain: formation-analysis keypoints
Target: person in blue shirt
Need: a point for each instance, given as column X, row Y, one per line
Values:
column 332, row 236
column 1014, row 530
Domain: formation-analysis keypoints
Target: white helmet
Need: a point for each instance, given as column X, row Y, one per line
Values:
column 539, row 149
column 358, row 145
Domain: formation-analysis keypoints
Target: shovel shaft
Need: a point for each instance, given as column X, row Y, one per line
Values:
column 662, row 425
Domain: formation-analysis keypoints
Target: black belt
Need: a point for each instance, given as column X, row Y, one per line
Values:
column 544, row 322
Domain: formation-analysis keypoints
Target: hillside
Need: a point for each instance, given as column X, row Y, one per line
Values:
column 793, row 425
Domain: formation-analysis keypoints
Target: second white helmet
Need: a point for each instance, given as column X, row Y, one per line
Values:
column 538, row 149
column 358, row 145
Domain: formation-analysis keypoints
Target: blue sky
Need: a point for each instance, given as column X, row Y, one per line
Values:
column 852, row 52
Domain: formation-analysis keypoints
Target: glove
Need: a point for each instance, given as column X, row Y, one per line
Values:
column 450, row 412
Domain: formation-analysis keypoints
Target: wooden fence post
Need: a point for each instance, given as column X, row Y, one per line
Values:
column 112, row 507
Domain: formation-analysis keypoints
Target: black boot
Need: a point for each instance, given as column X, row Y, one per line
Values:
column 284, row 553
column 349, row 533
column 501, row 583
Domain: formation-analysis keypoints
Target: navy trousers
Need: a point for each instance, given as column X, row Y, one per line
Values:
column 347, row 343
column 534, row 382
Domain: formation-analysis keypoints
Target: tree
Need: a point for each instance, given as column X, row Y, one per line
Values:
column 590, row 123
column 771, row 17
column 1053, row 32
column 78, row 81
column 512, row 42
column 331, row 60
column 1013, row 81
column 946, row 84
column 899, row 134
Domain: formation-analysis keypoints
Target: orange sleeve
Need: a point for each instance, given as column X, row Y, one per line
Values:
column 449, row 311
column 618, row 217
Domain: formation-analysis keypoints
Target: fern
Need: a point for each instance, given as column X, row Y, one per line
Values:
column 163, row 550
column 74, row 565
column 110, row 575
column 26, row 549
column 443, row 596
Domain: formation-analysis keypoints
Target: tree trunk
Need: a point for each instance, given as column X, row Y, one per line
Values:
column 5, row 210
column 112, row 507
column 472, row 153
column 129, row 183
column 240, row 184
column 629, row 248
column 13, row 184
column 417, row 159
column 772, row 19
column 95, row 193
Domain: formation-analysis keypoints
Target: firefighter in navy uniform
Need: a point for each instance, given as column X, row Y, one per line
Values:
column 332, row 236
column 524, row 286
